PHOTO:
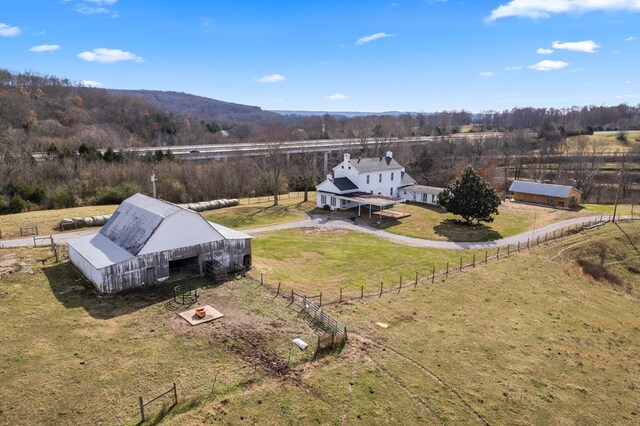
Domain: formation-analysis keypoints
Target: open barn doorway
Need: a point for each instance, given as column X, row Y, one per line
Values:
column 181, row 269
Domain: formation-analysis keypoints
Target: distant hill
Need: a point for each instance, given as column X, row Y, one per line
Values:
column 199, row 106
column 340, row 113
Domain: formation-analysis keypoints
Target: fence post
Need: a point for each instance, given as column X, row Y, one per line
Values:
column 34, row 241
column 346, row 336
column 508, row 250
column 527, row 243
column 474, row 260
column 278, row 292
column 416, row 284
column 400, row 287
column 320, row 298
column 486, row 257
column 518, row 246
column 538, row 237
column 460, row 264
column 498, row 253
column 433, row 274
column 545, row 237
column 361, row 292
column 291, row 295
column 561, row 232
column 175, row 394
column 554, row 235
column 262, row 279
column 340, row 295
column 142, row 409
column 381, row 282
column 447, row 273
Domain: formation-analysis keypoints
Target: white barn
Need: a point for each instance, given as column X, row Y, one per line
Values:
column 148, row 241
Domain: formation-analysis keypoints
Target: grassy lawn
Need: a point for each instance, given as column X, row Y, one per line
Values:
column 48, row 221
column 254, row 216
column 531, row 339
column 312, row 260
column 528, row 340
column 433, row 223
column 608, row 141
column 69, row 357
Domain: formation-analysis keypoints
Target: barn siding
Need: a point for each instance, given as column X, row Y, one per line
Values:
column 89, row 271
column 132, row 273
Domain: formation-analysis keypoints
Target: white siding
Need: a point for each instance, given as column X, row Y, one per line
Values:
column 87, row 269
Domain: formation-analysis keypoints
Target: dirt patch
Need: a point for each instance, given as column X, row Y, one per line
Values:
column 9, row 264
column 322, row 231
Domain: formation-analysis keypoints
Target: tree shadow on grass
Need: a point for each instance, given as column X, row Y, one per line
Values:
column 458, row 231
column 74, row 291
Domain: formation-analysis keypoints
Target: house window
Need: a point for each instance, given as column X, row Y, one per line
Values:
column 391, row 176
column 380, row 178
column 323, row 200
column 342, row 167
column 333, row 201
column 368, row 179
column 391, row 192
column 349, row 167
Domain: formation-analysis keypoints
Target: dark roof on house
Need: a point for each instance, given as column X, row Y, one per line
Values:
column 545, row 189
column 344, row 184
column 375, row 164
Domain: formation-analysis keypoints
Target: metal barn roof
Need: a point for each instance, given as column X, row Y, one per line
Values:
column 545, row 189
column 99, row 251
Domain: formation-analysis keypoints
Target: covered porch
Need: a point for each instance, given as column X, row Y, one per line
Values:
column 371, row 204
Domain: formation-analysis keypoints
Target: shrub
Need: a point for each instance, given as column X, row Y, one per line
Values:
column 61, row 198
column 115, row 194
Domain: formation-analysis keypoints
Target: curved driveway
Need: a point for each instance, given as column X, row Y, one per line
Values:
column 323, row 222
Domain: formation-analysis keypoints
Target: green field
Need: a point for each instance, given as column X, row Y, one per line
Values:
column 608, row 142
column 531, row 339
column 433, row 223
column 312, row 260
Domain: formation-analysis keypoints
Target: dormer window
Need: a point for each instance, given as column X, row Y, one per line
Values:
column 392, row 176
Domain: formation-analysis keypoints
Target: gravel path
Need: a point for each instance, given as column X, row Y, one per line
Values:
column 324, row 222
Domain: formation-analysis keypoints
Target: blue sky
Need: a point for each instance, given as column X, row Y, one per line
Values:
column 348, row 55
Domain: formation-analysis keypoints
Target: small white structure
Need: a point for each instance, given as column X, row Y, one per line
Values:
column 379, row 182
column 148, row 241
column 421, row 194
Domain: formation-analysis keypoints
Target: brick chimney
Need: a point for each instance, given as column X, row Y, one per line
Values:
column 347, row 158
column 389, row 154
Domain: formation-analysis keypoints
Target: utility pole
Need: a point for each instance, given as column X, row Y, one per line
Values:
column 153, row 184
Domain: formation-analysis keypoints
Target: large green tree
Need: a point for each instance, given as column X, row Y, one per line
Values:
column 471, row 197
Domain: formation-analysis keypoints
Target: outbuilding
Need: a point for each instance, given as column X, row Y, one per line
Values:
column 545, row 193
column 148, row 241
column 420, row 194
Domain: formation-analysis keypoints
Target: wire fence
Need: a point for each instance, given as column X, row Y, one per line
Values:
column 342, row 295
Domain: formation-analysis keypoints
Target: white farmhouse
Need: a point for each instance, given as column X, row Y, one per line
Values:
column 379, row 182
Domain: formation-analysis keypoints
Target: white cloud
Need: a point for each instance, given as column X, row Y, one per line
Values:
column 108, row 56
column 9, row 31
column 631, row 38
column 543, row 51
column 627, row 96
column 487, row 74
column 89, row 10
column 273, row 78
column 548, row 65
column 514, row 68
column 372, row 37
column 90, row 83
column 45, row 48
column 587, row 46
column 536, row 9
column 101, row 2
column 337, row 97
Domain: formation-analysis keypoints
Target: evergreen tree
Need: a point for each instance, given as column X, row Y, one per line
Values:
column 471, row 197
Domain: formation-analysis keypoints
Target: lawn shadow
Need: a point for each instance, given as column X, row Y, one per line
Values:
column 457, row 231
column 431, row 207
column 74, row 291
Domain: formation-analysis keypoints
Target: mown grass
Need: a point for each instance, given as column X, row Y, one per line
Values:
column 249, row 216
column 70, row 357
column 433, row 223
column 527, row 340
column 256, row 214
column 609, row 141
column 48, row 221
column 312, row 260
